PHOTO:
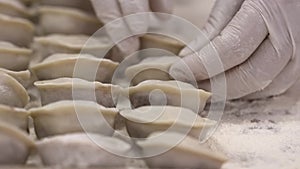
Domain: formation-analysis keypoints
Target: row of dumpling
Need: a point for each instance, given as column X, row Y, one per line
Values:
column 15, row 143
column 60, row 123
column 16, row 34
column 59, row 117
column 174, row 150
column 61, row 126
column 51, row 16
column 77, row 16
column 63, row 25
column 58, row 84
column 74, row 133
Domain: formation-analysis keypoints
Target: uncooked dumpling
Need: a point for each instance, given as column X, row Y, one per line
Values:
column 80, row 4
column 161, row 42
column 13, row 57
column 152, row 68
column 73, row 65
column 77, row 89
column 12, row 93
column 83, row 151
column 15, row 145
column 23, row 77
column 16, row 30
column 73, row 116
column 184, row 152
column 14, row 116
column 145, row 120
column 13, row 8
column 64, row 20
column 73, row 44
column 173, row 93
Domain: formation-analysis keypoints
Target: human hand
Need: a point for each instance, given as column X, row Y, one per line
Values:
column 109, row 10
column 257, row 42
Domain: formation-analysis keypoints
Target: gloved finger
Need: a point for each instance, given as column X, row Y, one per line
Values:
column 125, row 48
column 255, row 74
column 162, row 6
column 221, row 15
column 138, row 23
column 107, row 11
column 286, row 79
column 234, row 45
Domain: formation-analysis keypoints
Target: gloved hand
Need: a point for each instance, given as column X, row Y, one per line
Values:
column 257, row 42
column 109, row 10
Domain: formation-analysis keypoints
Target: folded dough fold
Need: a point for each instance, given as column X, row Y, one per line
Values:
column 83, row 151
column 73, row 116
column 13, row 57
column 143, row 121
column 65, row 20
column 23, row 77
column 82, row 66
column 77, row 89
column 151, row 68
column 14, row 8
column 175, row 93
column 18, row 31
column 45, row 46
column 183, row 152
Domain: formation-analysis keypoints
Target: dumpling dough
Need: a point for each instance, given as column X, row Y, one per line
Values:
column 13, row 8
column 63, row 20
column 13, row 57
column 16, row 30
column 82, row 151
column 188, row 153
column 143, row 121
column 173, row 93
column 73, row 116
column 161, row 42
column 14, row 116
column 12, row 93
column 72, row 44
column 77, row 89
column 152, row 68
column 15, row 145
column 64, row 65
column 80, row 4
column 23, row 77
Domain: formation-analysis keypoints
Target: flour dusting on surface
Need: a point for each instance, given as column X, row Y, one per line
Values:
column 261, row 134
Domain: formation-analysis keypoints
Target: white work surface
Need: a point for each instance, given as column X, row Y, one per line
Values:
column 262, row 134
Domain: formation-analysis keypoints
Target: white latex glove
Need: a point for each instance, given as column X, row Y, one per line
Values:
column 109, row 10
column 258, row 44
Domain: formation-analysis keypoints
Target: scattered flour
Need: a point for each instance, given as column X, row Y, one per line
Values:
column 262, row 134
